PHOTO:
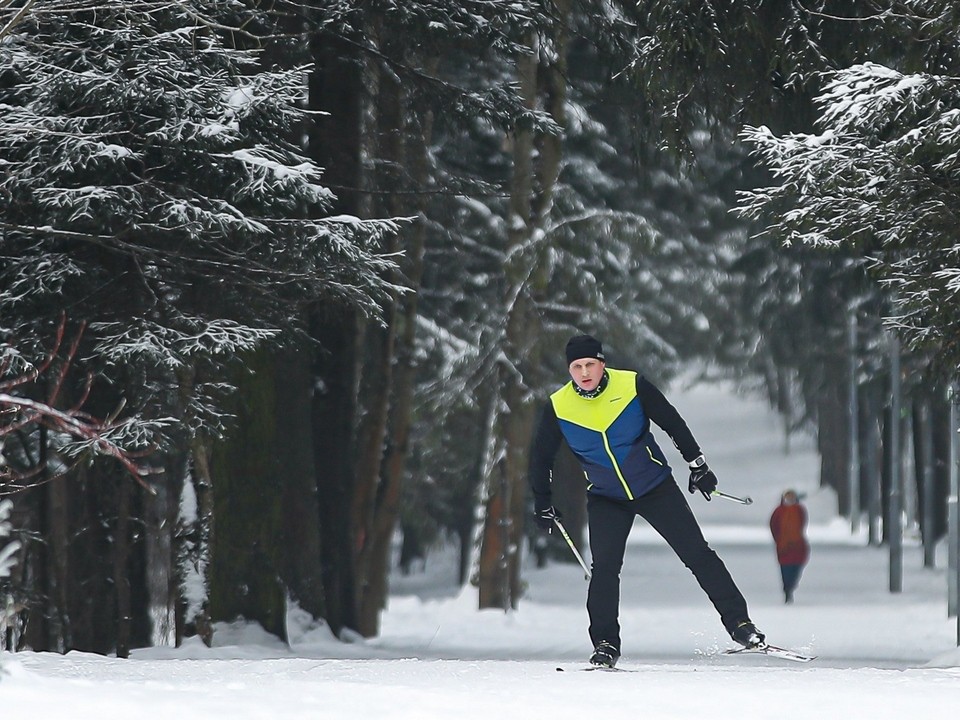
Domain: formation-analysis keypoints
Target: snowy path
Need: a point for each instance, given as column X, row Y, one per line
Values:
column 880, row 655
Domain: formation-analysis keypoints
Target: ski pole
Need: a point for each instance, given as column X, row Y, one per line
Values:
column 742, row 500
column 563, row 531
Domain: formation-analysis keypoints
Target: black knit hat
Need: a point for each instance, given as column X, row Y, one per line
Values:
column 583, row 346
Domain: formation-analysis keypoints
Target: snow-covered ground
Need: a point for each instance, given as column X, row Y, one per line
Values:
column 879, row 655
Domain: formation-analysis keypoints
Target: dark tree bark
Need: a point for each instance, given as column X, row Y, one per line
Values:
column 871, row 459
column 335, row 88
column 121, row 558
column 832, row 438
column 535, row 163
column 247, row 492
column 932, row 431
column 300, row 570
column 942, row 433
column 332, row 419
column 406, row 133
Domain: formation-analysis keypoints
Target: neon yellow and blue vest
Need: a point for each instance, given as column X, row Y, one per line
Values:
column 610, row 435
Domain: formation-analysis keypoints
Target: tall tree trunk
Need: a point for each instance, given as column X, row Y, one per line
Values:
column 53, row 619
column 942, row 433
column 379, row 341
column 471, row 563
column 871, row 460
column 205, row 532
column 372, row 496
column 494, row 562
column 335, row 88
column 247, row 491
column 498, row 556
column 411, row 134
column 301, row 571
column 121, row 557
column 160, row 523
column 332, row 419
column 93, row 495
column 38, row 628
column 195, row 535
column 535, row 170
column 833, row 431
column 929, row 434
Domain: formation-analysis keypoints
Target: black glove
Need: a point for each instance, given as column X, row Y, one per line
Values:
column 545, row 518
column 702, row 478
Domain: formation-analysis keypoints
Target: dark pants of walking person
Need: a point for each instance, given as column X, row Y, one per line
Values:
column 667, row 511
column 791, row 577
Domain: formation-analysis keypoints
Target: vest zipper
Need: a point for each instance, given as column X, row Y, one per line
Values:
column 616, row 465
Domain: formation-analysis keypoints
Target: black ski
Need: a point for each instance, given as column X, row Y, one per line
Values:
column 602, row 668
column 772, row 651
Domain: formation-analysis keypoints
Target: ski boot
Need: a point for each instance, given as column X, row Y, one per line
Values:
column 604, row 655
column 746, row 634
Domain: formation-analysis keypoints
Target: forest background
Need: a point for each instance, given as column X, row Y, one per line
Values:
column 281, row 279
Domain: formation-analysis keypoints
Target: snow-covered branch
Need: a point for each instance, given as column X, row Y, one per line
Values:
column 881, row 180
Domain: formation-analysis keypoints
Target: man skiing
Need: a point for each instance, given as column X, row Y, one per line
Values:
column 604, row 415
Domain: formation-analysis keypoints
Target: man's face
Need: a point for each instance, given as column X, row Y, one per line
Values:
column 587, row 372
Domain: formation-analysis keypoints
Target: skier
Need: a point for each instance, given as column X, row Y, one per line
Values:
column 604, row 416
column 788, row 525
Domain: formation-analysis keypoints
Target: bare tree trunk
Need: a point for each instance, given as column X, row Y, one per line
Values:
column 58, row 548
column 379, row 339
column 413, row 155
column 371, row 494
column 332, row 419
column 94, row 500
column 160, row 519
column 41, row 627
column 206, row 533
column 300, row 528
column 121, row 556
column 942, row 433
column 496, row 558
column 195, row 536
column 470, row 563
column 492, row 577
column 871, row 461
column 535, row 170
column 335, row 87
column 833, row 419
column 248, row 479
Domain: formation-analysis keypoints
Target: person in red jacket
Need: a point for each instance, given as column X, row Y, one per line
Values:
column 788, row 523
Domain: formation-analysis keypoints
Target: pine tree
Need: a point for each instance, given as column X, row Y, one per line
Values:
column 887, row 142
column 866, row 195
column 153, row 183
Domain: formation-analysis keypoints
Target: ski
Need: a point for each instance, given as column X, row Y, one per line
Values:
column 773, row 651
column 602, row 668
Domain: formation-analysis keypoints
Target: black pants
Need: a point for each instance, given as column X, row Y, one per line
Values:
column 667, row 511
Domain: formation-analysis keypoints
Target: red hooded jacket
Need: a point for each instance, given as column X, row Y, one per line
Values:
column 788, row 524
